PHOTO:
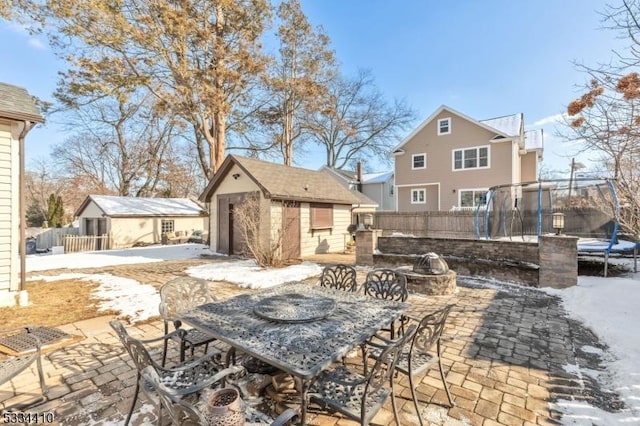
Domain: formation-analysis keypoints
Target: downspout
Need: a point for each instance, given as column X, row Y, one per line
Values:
column 23, row 298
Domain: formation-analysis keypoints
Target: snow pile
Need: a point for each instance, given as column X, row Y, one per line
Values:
column 248, row 274
column 97, row 259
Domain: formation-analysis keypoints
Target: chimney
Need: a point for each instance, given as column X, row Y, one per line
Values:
column 359, row 174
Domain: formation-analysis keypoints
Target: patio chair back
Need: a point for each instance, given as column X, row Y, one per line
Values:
column 429, row 331
column 386, row 284
column 340, row 277
column 181, row 295
column 136, row 350
column 383, row 369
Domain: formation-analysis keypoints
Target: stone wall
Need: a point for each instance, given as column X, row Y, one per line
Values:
column 366, row 243
column 551, row 263
column 559, row 256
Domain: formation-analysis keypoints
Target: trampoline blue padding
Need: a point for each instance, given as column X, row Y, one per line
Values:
column 596, row 245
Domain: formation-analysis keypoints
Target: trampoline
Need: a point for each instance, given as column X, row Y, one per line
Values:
column 524, row 211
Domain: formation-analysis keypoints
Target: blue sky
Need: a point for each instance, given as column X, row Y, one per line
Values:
column 484, row 58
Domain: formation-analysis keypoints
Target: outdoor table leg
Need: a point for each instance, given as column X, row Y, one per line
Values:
column 304, row 388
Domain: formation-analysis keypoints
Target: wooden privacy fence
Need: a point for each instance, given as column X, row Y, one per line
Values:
column 80, row 243
column 53, row 237
column 443, row 224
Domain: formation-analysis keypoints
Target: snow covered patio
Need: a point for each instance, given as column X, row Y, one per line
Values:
column 515, row 356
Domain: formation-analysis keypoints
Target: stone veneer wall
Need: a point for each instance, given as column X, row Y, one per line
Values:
column 552, row 263
column 559, row 256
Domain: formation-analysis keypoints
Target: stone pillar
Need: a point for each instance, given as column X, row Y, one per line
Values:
column 366, row 244
column 558, row 259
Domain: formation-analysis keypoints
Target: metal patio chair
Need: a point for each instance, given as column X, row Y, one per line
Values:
column 340, row 277
column 389, row 285
column 14, row 365
column 357, row 396
column 181, row 295
column 422, row 352
column 185, row 378
column 183, row 412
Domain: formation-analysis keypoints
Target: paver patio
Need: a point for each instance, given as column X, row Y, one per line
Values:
column 505, row 358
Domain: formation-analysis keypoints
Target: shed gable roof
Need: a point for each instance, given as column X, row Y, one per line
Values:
column 116, row 206
column 17, row 104
column 278, row 181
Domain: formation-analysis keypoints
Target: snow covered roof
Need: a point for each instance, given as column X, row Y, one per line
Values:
column 508, row 124
column 533, row 139
column 379, row 177
column 115, row 206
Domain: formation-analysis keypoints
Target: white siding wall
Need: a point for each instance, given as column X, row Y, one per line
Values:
column 130, row 230
column 9, row 212
column 324, row 241
column 228, row 186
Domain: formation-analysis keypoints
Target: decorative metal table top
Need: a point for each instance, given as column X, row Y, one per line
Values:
column 294, row 307
column 302, row 348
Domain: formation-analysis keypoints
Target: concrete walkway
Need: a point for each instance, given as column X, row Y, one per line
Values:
column 505, row 360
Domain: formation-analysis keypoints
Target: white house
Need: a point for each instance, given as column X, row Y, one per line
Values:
column 18, row 114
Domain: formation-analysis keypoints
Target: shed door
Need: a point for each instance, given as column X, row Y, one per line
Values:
column 230, row 239
column 291, row 240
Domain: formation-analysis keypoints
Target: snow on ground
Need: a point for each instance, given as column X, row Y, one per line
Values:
column 134, row 301
column 609, row 306
column 96, row 259
column 248, row 274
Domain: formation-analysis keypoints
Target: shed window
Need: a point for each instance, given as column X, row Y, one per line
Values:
column 167, row 226
column 321, row 216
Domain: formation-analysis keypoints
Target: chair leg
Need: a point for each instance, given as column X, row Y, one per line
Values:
column 393, row 402
column 444, row 383
column 414, row 396
column 43, row 386
column 165, row 344
column 135, row 399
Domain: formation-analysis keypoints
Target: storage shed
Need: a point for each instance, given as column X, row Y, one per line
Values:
column 315, row 208
column 131, row 220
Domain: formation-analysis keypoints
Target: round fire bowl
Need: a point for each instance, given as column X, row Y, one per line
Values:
column 431, row 285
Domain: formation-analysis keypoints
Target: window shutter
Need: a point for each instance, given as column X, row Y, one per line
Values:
column 321, row 216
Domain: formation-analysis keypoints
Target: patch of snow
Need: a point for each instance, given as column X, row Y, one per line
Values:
column 400, row 234
column 96, row 259
column 248, row 274
column 591, row 350
column 609, row 307
column 134, row 301
column 582, row 413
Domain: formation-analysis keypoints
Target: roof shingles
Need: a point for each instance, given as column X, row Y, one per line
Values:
column 17, row 104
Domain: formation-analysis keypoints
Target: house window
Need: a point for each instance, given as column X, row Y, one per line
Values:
column 419, row 196
column 167, row 226
column 419, row 161
column 444, row 126
column 472, row 197
column 321, row 216
column 471, row 158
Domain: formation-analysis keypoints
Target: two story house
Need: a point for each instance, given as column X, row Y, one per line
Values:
column 378, row 186
column 451, row 160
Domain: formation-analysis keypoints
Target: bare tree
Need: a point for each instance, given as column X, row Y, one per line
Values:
column 358, row 121
column 606, row 118
column 297, row 78
column 264, row 240
column 197, row 57
column 121, row 145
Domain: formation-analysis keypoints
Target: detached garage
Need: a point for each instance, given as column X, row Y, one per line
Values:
column 139, row 220
column 315, row 208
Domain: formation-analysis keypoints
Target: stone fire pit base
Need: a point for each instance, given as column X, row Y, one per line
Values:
column 432, row 285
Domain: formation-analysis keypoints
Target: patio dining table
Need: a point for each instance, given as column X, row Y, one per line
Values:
column 298, row 328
